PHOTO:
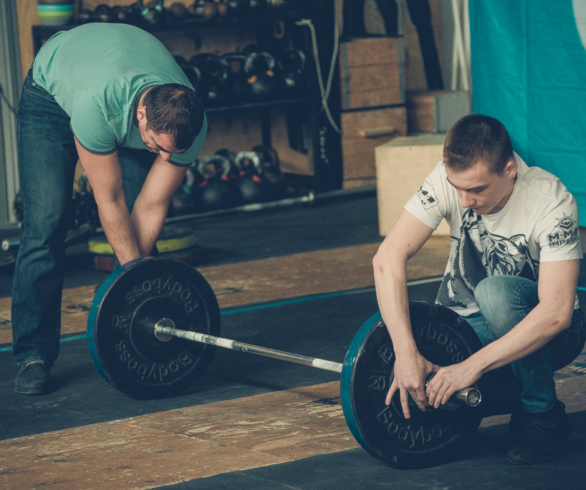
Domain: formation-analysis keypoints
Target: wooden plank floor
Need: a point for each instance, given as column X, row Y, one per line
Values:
column 270, row 279
column 196, row 442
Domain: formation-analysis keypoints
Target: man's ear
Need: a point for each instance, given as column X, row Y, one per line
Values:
column 141, row 113
column 511, row 169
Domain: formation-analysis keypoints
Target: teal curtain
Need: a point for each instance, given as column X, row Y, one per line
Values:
column 529, row 71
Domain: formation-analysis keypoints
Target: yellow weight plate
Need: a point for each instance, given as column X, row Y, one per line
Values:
column 170, row 240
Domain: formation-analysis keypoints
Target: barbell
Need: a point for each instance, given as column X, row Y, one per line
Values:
column 154, row 326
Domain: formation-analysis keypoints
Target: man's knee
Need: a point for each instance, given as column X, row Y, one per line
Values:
column 504, row 301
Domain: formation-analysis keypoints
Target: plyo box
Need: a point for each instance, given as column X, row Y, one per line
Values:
column 401, row 167
column 362, row 132
column 372, row 72
column 435, row 111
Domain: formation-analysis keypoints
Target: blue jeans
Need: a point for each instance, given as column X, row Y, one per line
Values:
column 46, row 160
column 504, row 301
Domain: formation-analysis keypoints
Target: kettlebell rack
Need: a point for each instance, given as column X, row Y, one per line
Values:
column 326, row 152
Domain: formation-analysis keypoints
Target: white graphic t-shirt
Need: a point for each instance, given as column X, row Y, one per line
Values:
column 539, row 223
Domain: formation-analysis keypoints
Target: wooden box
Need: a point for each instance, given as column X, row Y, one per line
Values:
column 362, row 132
column 401, row 167
column 436, row 111
column 372, row 72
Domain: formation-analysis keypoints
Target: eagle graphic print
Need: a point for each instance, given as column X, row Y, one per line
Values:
column 476, row 254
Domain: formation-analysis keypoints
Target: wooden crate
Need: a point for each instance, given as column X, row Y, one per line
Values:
column 362, row 132
column 372, row 72
column 435, row 111
column 401, row 167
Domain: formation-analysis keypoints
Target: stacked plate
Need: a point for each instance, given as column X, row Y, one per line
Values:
column 55, row 12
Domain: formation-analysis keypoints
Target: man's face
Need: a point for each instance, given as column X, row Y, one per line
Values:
column 159, row 143
column 482, row 191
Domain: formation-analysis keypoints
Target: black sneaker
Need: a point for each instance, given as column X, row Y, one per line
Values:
column 32, row 379
column 516, row 426
column 540, row 437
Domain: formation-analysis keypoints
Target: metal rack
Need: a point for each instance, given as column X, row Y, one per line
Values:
column 326, row 142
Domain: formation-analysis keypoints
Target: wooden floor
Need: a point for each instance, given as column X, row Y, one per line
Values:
column 271, row 279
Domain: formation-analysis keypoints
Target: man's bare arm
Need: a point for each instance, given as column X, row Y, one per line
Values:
column 105, row 177
column 151, row 206
column 404, row 240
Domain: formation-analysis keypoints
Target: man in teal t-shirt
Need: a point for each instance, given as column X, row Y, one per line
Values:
column 112, row 96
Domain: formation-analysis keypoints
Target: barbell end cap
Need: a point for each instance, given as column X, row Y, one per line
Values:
column 160, row 325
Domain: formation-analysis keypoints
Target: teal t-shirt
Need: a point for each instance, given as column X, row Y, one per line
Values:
column 96, row 71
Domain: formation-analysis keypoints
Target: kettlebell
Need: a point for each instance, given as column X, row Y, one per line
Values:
column 123, row 14
column 252, row 186
column 177, row 11
column 213, row 79
column 271, row 174
column 237, row 86
column 153, row 13
column 292, row 76
column 259, row 67
column 235, row 7
column 278, row 4
column 186, row 199
column 222, row 6
column 102, row 13
column 256, row 6
column 84, row 16
column 217, row 188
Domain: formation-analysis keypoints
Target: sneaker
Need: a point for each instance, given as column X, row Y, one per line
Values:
column 516, row 426
column 540, row 437
column 32, row 379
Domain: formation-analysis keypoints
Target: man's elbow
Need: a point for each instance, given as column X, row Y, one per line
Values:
column 561, row 321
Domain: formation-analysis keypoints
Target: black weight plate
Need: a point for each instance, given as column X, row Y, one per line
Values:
column 121, row 327
column 427, row 438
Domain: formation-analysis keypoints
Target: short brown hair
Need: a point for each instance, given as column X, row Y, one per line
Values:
column 175, row 110
column 477, row 138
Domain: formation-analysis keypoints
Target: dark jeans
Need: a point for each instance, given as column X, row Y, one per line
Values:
column 46, row 161
column 504, row 301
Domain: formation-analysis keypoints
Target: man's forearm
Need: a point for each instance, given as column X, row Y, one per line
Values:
column 148, row 222
column 393, row 301
column 119, row 230
column 540, row 326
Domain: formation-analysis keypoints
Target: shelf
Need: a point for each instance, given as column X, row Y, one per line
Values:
column 262, row 105
column 197, row 23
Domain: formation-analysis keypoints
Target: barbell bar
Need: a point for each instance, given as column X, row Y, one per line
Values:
column 165, row 330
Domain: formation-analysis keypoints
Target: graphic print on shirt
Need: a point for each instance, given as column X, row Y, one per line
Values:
column 565, row 232
column 427, row 199
column 475, row 255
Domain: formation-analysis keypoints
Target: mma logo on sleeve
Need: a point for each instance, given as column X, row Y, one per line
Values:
column 427, row 199
column 565, row 232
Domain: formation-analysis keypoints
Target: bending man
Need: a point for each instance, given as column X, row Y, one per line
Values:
column 112, row 96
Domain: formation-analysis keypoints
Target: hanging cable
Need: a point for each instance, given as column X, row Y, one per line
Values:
column 324, row 90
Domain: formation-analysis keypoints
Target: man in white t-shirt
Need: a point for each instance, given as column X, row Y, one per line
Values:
column 512, row 273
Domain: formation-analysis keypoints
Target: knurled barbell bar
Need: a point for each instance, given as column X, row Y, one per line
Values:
column 154, row 325
column 165, row 330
